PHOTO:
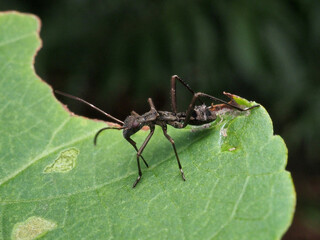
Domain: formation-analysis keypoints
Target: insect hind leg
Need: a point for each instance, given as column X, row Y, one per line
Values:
column 200, row 94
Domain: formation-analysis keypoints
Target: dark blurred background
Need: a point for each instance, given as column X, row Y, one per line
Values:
column 116, row 54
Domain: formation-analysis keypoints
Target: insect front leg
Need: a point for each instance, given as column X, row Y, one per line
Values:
column 164, row 128
column 140, row 152
column 133, row 143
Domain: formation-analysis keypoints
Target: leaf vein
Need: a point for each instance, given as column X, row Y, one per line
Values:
column 235, row 208
column 13, row 40
column 175, row 204
column 40, row 156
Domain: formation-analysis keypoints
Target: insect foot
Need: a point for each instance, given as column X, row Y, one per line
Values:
column 182, row 175
column 136, row 182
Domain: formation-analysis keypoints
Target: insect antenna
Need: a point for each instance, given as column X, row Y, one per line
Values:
column 102, row 129
column 91, row 105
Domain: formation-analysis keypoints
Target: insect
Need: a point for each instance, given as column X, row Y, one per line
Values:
column 195, row 115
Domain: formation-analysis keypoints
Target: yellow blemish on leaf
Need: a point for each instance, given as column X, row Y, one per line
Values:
column 32, row 228
column 65, row 162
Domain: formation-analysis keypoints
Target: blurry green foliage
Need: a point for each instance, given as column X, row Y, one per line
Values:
column 118, row 53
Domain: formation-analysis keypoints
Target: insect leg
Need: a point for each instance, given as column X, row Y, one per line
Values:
column 152, row 107
column 133, row 113
column 173, row 91
column 200, row 94
column 133, row 143
column 140, row 152
column 164, row 128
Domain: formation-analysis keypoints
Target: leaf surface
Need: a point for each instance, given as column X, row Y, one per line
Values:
column 54, row 184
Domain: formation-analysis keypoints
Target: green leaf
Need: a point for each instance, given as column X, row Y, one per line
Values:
column 55, row 184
